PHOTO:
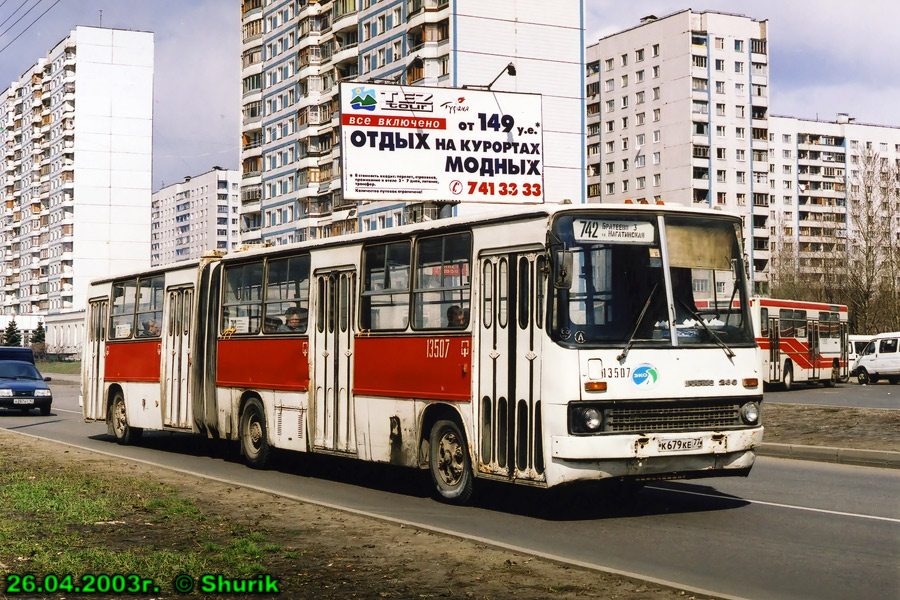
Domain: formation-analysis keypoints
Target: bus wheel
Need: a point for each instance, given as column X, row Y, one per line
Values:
column 451, row 471
column 788, row 379
column 254, row 439
column 893, row 380
column 117, row 422
column 862, row 376
column 834, row 377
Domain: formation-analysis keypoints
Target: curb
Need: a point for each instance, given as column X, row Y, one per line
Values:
column 844, row 456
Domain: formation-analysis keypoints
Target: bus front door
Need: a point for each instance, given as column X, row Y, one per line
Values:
column 513, row 288
column 94, row 369
column 333, row 372
column 176, row 351
column 774, row 350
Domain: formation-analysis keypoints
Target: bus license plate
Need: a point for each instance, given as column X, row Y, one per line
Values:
column 680, row 444
column 23, row 401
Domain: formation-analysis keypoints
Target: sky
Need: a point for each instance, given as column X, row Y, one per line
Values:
column 825, row 57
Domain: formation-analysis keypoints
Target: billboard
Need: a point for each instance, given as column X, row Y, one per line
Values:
column 416, row 144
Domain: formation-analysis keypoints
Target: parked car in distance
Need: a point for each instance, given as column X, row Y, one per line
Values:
column 856, row 346
column 879, row 359
column 22, row 387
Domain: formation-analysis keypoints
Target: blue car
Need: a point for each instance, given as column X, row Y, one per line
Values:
column 22, row 387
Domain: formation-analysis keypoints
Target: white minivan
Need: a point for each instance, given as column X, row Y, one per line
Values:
column 879, row 359
column 856, row 346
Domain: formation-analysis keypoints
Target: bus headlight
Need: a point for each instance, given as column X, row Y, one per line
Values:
column 750, row 413
column 592, row 419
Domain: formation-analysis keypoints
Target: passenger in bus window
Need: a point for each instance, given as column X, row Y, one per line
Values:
column 456, row 318
column 293, row 321
column 151, row 328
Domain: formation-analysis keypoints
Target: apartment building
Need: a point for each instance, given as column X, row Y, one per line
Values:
column 197, row 215
column 817, row 168
column 296, row 52
column 677, row 111
column 76, row 153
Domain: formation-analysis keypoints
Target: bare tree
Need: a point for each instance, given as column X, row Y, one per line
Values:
column 873, row 251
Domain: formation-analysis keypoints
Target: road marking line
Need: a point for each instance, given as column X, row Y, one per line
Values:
column 780, row 505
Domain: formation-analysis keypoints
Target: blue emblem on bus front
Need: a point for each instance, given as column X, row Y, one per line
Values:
column 644, row 376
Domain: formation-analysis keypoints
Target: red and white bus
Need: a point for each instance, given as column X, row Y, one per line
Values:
column 801, row 341
column 559, row 364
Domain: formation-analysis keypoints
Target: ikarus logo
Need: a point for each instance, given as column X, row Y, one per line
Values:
column 644, row 376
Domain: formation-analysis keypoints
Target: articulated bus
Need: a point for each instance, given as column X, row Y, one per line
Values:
column 532, row 347
column 801, row 341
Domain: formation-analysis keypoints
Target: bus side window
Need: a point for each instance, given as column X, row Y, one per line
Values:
column 786, row 318
column 242, row 306
column 122, row 314
column 150, row 305
column 443, row 267
column 800, row 323
column 764, row 322
column 287, row 295
column 385, row 287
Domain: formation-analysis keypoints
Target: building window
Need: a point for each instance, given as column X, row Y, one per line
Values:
column 608, row 64
column 656, row 158
column 656, row 72
column 654, row 50
column 738, row 66
column 738, row 45
column 609, row 85
column 611, row 188
column 639, row 55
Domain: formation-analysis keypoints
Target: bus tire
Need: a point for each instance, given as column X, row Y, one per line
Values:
column 117, row 421
column 254, row 436
column 788, row 379
column 862, row 376
column 449, row 463
column 832, row 381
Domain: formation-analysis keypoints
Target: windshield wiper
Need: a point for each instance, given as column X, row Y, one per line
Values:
column 728, row 351
column 637, row 325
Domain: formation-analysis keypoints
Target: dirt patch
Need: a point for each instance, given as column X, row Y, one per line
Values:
column 836, row 427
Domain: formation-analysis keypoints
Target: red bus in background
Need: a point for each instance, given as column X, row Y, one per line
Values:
column 532, row 347
column 801, row 342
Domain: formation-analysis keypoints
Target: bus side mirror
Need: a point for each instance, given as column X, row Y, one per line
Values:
column 563, row 265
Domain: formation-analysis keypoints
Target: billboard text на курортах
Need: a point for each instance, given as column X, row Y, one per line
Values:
column 416, row 144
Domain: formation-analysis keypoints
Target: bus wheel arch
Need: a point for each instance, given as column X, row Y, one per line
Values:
column 253, row 432
column 117, row 417
column 788, row 378
column 449, row 456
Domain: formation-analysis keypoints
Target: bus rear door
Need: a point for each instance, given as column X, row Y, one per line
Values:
column 96, row 360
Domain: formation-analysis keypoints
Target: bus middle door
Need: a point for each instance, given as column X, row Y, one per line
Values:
column 176, row 351
column 333, row 363
column 812, row 328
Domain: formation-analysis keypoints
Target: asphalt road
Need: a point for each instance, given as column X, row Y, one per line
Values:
column 850, row 394
column 793, row 529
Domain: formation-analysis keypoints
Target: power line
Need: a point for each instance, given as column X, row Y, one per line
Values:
column 29, row 25
column 13, row 13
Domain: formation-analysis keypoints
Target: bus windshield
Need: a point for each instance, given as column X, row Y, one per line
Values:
column 626, row 286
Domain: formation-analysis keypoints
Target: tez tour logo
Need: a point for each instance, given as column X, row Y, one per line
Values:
column 644, row 376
